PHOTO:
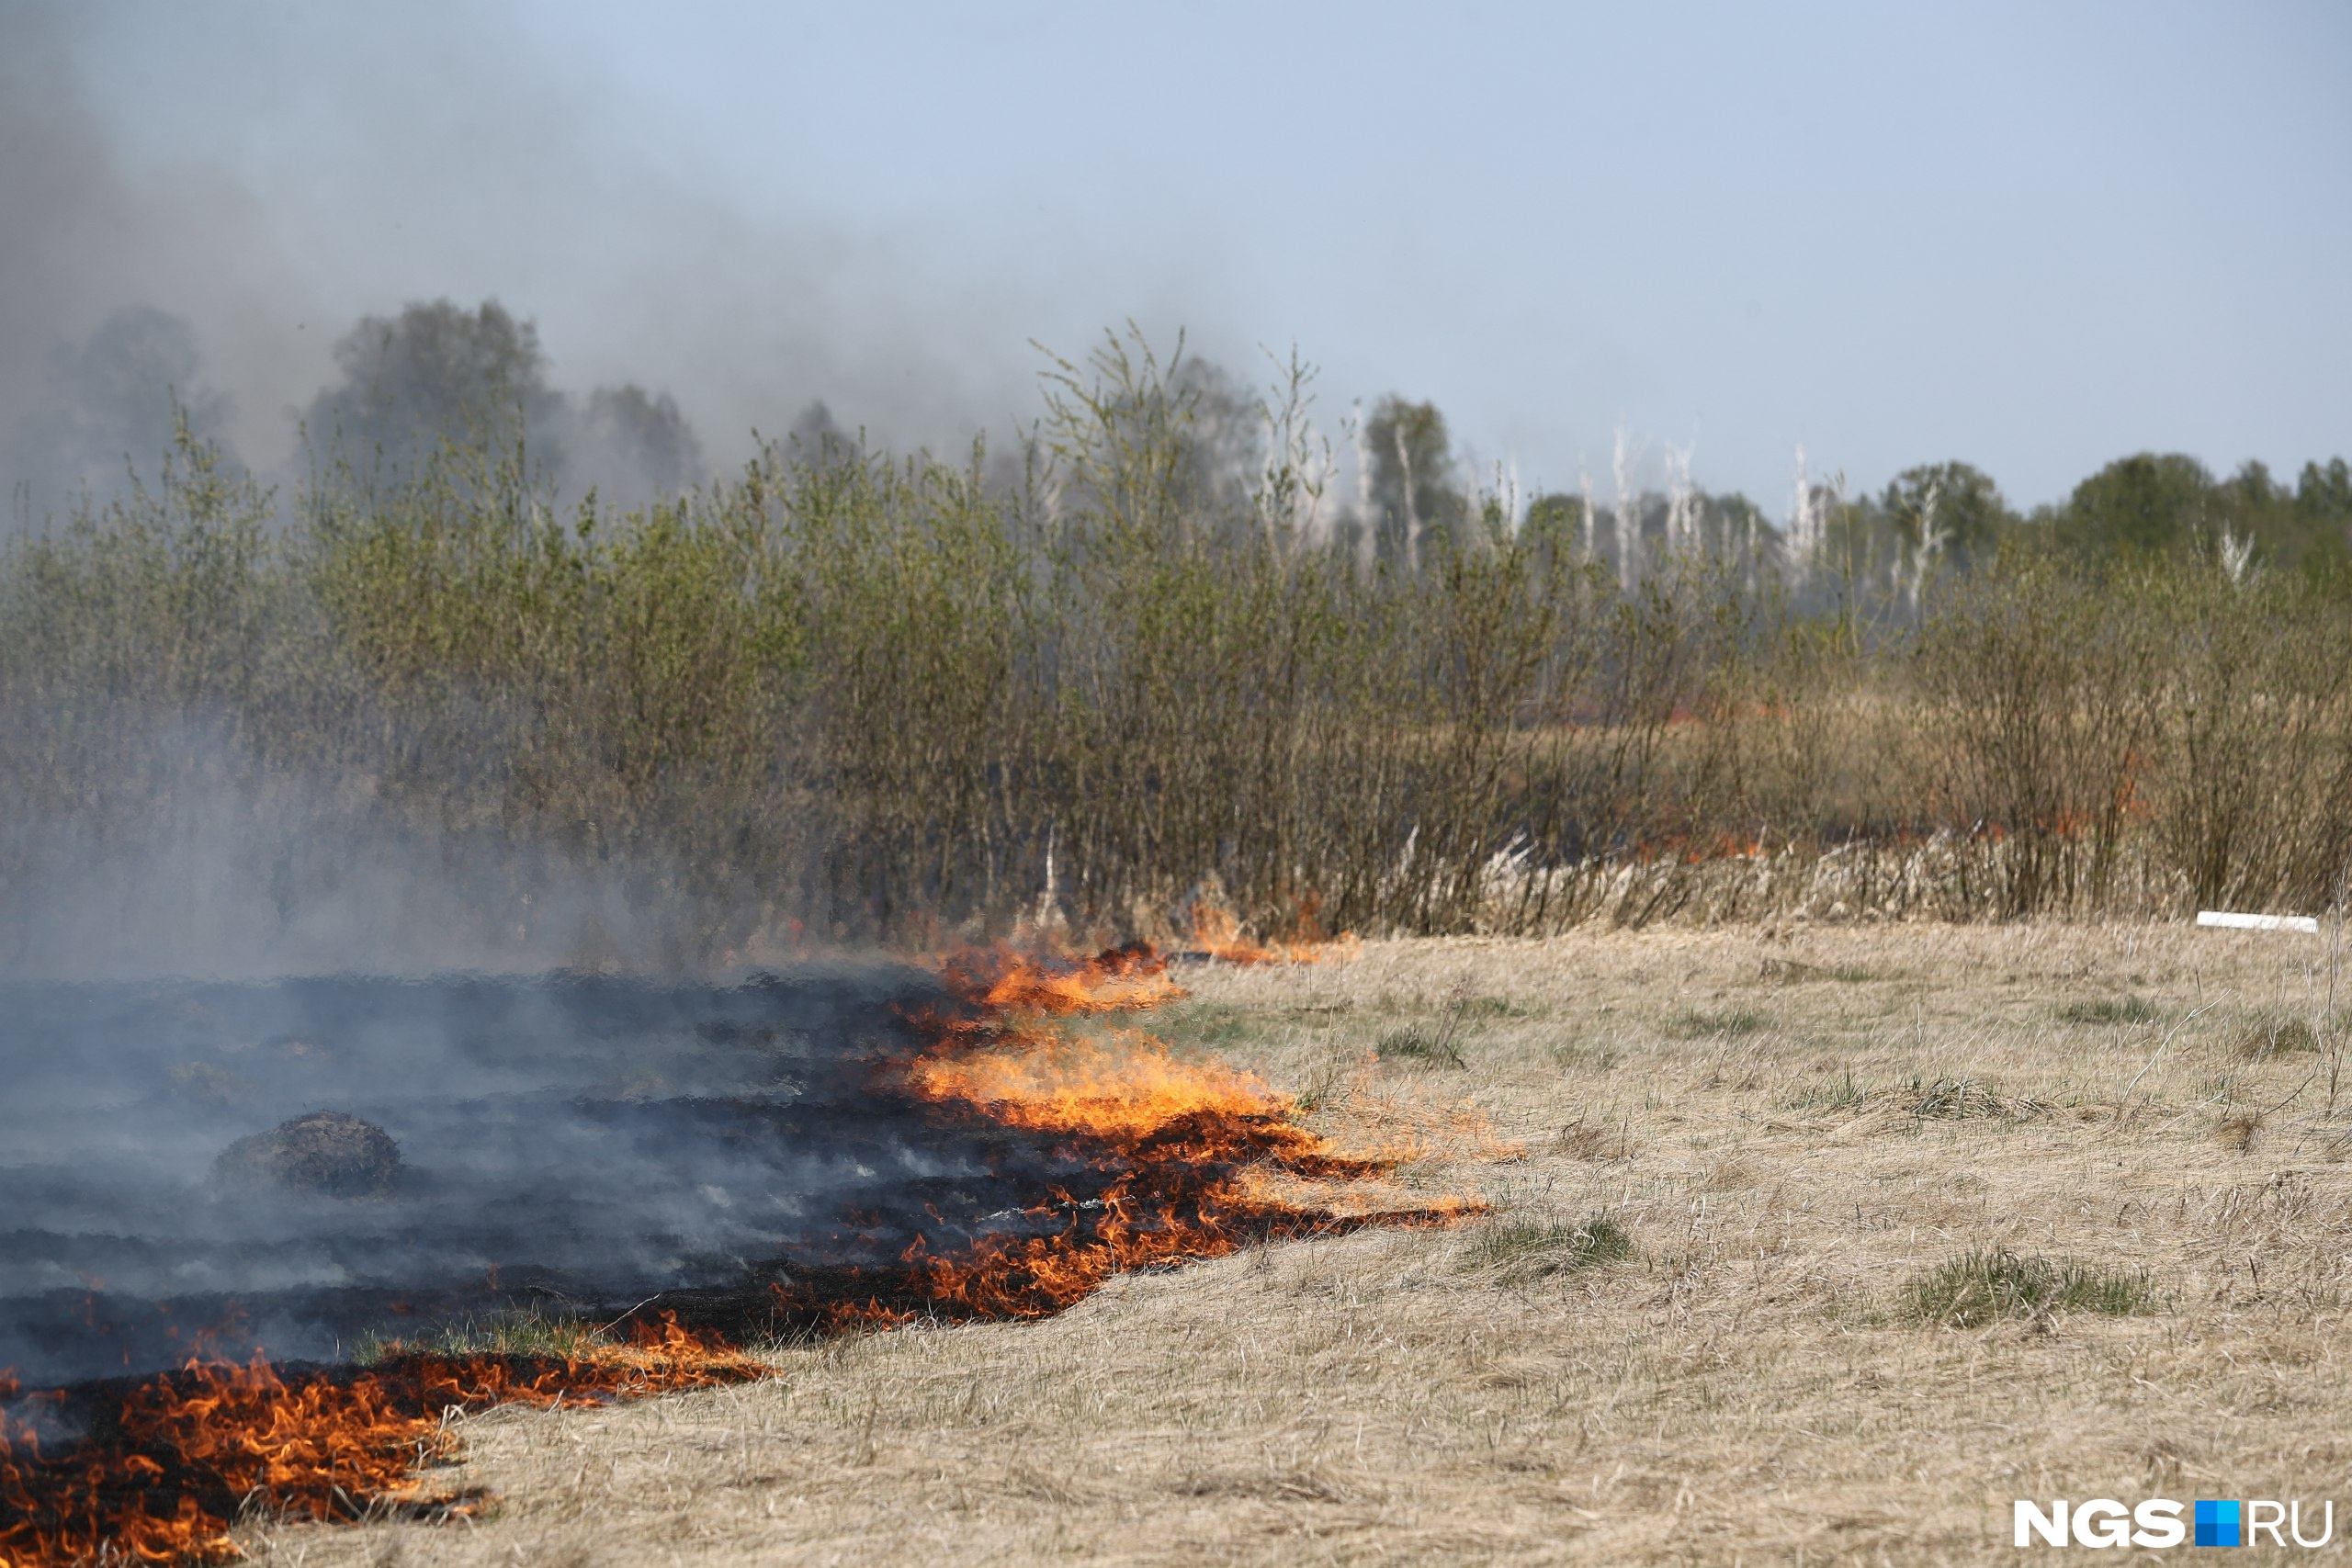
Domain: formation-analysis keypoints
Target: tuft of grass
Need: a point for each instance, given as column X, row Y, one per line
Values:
column 525, row 1331
column 1729, row 1023
column 1529, row 1246
column 1595, row 1141
column 1957, row 1100
column 1421, row 1043
column 1990, row 1285
column 1577, row 1054
column 1430, row 1042
column 1326, row 1080
column 2111, row 1009
column 2274, row 1037
column 2236, row 1130
column 1790, row 970
column 1843, row 1095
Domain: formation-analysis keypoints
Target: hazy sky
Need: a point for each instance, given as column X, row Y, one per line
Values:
column 2035, row 237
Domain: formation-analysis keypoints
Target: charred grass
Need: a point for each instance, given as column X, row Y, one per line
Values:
column 1686, row 1296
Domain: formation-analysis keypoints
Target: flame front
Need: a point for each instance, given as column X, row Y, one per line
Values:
column 1124, row 1087
column 1217, row 934
column 1186, row 1158
column 161, row 1480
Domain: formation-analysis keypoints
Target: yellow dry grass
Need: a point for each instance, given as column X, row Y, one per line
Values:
column 1770, row 1119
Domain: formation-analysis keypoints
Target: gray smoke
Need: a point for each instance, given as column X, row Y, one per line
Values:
column 569, row 1138
column 118, row 287
column 116, row 401
column 425, row 159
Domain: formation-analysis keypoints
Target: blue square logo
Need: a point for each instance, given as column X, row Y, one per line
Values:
column 2217, row 1524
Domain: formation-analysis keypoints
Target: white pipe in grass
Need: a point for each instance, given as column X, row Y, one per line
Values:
column 2304, row 923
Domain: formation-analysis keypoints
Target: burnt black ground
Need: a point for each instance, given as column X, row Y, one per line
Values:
column 567, row 1139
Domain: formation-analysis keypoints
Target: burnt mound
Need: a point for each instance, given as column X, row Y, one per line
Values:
column 327, row 1151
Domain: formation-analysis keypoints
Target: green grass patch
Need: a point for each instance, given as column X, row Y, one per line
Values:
column 1844, row 1094
column 2111, row 1009
column 1958, row 1099
column 1730, row 1024
column 522, row 1332
column 1213, row 1025
column 2273, row 1036
column 1992, row 1284
column 1421, row 1043
column 1527, row 1247
column 1790, row 970
column 1578, row 1054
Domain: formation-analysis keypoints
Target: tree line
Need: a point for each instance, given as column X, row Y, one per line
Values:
column 436, row 375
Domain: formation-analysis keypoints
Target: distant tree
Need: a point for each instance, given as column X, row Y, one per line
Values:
column 634, row 448
column 2323, row 510
column 2148, row 503
column 1734, row 527
column 1558, row 518
column 2325, row 492
column 2252, row 487
column 1224, row 439
column 2303, row 527
column 110, row 406
column 437, row 373
column 1416, row 508
column 1955, row 505
column 819, row 435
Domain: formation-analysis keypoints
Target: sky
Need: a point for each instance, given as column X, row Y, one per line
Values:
column 2034, row 237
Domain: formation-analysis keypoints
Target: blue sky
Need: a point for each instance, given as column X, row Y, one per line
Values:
column 2034, row 237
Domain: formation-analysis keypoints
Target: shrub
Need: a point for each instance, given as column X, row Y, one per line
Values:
column 882, row 698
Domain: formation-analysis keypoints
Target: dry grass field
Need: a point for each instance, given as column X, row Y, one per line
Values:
column 1691, row 1329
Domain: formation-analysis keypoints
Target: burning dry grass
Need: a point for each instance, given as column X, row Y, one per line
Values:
column 165, row 1462
column 1750, row 1380
column 1187, row 1159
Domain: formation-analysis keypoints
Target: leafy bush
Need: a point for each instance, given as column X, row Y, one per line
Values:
column 867, row 696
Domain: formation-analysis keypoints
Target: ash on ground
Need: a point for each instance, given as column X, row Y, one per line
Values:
column 559, row 1142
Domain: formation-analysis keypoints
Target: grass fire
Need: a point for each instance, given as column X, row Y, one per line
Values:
column 1173, row 786
column 1028, row 1161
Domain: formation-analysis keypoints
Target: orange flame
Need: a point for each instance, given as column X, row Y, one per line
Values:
column 1124, row 1087
column 1194, row 1158
column 1000, row 980
column 185, row 1449
column 1217, row 934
